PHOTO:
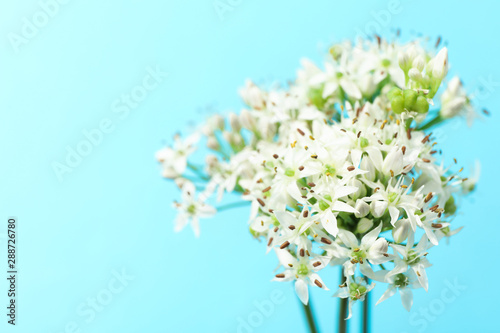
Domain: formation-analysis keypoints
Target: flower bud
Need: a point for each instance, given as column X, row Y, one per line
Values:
column 212, row 143
column 378, row 208
column 235, row 122
column 362, row 207
column 404, row 61
column 419, row 63
column 440, row 68
column 364, row 225
column 401, row 230
column 415, row 75
column 247, row 121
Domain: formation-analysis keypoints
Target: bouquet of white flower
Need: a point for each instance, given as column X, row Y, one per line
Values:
column 339, row 169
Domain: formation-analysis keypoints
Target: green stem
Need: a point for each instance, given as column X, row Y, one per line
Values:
column 366, row 311
column 343, row 308
column 431, row 123
column 233, row 205
column 309, row 316
column 196, row 170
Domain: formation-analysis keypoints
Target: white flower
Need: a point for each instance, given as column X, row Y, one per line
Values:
column 414, row 258
column 355, row 290
column 336, row 161
column 370, row 248
column 174, row 160
column 402, row 282
column 192, row 209
column 303, row 271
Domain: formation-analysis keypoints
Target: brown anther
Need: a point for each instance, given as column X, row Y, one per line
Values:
column 426, row 160
column 385, row 255
column 285, row 244
column 326, row 240
column 486, row 112
column 307, row 252
column 314, row 156
column 433, row 152
column 376, row 189
column 351, row 168
column 261, row 202
column 428, row 197
column 301, row 168
column 319, row 284
column 433, row 208
column 301, row 252
column 271, row 211
column 455, row 160
column 270, row 241
column 316, row 264
column 408, row 133
column 267, row 189
column 354, row 121
column 403, row 149
column 312, row 184
column 438, row 42
column 276, row 156
column 291, row 227
column 290, row 265
column 305, row 214
column 280, row 276
column 301, row 132
column 426, row 138
column 436, row 225
column 359, row 134
column 343, row 130
column 380, row 142
column 418, row 273
column 276, row 229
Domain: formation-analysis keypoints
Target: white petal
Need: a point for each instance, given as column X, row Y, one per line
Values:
column 348, row 238
column 329, row 222
column 406, row 298
column 394, row 212
column 302, row 291
column 285, row 257
column 371, row 237
column 388, row 293
column 286, row 218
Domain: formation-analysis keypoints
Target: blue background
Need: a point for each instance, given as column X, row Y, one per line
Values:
column 113, row 211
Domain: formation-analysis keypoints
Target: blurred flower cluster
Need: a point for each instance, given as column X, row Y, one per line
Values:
column 339, row 169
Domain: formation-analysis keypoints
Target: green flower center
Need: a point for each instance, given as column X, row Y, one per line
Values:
column 289, row 172
column 356, row 291
column 303, row 270
column 412, row 258
column 401, row 281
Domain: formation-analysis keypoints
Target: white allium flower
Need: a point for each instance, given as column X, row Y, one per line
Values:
column 338, row 169
column 191, row 209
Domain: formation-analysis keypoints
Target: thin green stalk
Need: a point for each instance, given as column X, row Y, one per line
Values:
column 233, row 205
column 366, row 311
column 343, row 308
column 431, row 123
column 197, row 171
column 310, row 317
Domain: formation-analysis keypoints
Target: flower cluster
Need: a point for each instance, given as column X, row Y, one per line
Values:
column 339, row 169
